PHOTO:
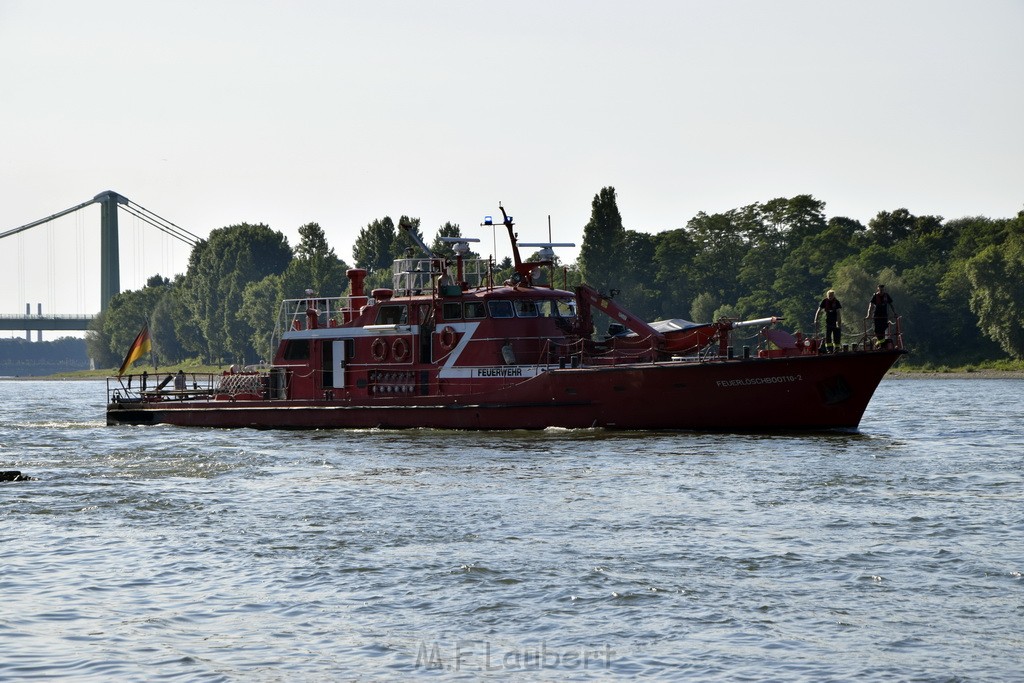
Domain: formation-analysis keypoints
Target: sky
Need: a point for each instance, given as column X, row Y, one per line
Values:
column 216, row 113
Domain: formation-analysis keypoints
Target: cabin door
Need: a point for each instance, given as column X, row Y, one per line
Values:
column 338, row 363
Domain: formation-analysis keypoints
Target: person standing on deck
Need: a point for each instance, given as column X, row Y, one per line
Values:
column 880, row 308
column 833, row 320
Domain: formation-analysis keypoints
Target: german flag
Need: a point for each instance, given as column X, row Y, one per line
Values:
column 139, row 348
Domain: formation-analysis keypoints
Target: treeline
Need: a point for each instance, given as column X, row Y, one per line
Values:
column 957, row 283
column 21, row 357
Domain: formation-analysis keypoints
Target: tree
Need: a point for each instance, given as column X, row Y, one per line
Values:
column 704, row 307
column 373, row 247
column 259, row 310
column 600, row 257
column 315, row 267
column 888, row 228
column 169, row 325
column 97, row 343
column 503, row 269
column 997, row 296
column 720, row 242
column 673, row 258
column 638, row 281
column 219, row 270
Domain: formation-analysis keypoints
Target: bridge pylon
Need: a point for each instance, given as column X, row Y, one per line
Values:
column 110, row 264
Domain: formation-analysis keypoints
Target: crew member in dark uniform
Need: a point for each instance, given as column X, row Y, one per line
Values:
column 833, row 320
column 880, row 307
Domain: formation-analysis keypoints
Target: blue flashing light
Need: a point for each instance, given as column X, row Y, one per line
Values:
column 488, row 220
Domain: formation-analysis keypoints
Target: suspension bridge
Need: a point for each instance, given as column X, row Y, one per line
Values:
column 110, row 267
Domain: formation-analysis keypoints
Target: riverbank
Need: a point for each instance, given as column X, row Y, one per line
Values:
column 955, row 374
column 103, row 374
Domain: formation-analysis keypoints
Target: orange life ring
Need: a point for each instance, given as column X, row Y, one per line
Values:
column 378, row 349
column 447, row 337
column 400, row 349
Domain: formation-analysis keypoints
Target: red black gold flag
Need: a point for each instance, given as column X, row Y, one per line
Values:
column 139, row 348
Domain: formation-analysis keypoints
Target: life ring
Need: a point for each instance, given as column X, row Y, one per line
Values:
column 447, row 337
column 399, row 350
column 378, row 349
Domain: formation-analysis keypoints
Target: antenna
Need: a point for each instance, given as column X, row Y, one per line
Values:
column 547, row 251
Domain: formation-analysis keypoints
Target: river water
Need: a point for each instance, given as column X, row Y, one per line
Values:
column 160, row 553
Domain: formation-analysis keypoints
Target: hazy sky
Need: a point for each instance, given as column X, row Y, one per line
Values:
column 214, row 113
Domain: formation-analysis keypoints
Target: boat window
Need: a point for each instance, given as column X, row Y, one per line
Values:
column 452, row 310
column 475, row 309
column 526, row 308
column 566, row 308
column 296, row 349
column 500, row 309
column 392, row 315
column 547, row 308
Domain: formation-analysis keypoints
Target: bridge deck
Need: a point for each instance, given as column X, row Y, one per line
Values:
column 45, row 322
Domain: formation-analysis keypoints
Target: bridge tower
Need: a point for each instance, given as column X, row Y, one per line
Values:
column 110, row 269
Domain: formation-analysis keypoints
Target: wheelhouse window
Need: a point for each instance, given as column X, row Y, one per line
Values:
column 526, row 308
column 392, row 315
column 566, row 308
column 547, row 308
column 500, row 309
column 474, row 310
column 296, row 349
column 452, row 310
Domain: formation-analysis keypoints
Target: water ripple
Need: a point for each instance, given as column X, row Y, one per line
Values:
column 222, row 555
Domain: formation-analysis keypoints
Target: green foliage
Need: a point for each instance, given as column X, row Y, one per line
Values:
column 373, row 247
column 169, row 329
column 315, row 267
column 219, row 270
column 997, row 297
column 97, row 342
column 639, row 289
column 603, row 241
column 704, row 307
column 721, row 242
column 260, row 302
column 503, row 270
column 725, row 311
column 22, row 358
column 673, row 258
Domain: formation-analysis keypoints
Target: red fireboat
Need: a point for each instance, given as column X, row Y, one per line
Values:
column 448, row 348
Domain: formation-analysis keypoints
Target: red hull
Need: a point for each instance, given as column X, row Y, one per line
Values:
column 792, row 393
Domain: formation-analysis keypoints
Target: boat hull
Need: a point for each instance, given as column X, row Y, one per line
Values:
column 805, row 392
